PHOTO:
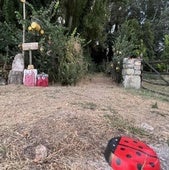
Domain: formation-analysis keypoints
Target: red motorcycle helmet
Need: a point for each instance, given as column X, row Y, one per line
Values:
column 125, row 153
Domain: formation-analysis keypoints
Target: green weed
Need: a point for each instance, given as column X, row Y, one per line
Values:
column 125, row 126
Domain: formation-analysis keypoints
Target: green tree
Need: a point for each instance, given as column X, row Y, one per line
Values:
column 72, row 11
column 148, row 40
column 8, row 9
column 95, row 21
column 61, row 54
column 88, row 16
column 9, row 40
column 100, row 20
column 165, row 54
column 128, row 40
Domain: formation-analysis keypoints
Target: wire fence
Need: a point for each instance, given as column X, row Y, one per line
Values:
column 155, row 77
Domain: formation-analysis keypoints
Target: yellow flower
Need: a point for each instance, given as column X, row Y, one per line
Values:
column 41, row 48
column 30, row 28
column 117, row 68
column 42, row 32
column 35, row 26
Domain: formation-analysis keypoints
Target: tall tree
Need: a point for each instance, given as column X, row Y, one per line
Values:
column 8, row 8
column 88, row 16
column 95, row 21
column 118, row 13
column 72, row 12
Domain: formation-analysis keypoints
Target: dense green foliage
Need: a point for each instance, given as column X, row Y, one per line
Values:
column 165, row 55
column 8, row 8
column 72, row 66
column 61, row 53
column 111, row 30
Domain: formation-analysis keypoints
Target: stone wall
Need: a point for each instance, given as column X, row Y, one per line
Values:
column 131, row 73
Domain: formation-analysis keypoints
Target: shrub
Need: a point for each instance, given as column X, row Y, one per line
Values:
column 61, row 54
column 72, row 66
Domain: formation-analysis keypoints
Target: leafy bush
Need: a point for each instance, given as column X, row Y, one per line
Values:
column 72, row 66
column 128, row 43
column 165, row 54
column 61, row 55
column 11, row 37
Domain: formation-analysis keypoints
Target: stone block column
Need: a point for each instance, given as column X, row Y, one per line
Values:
column 131, row 73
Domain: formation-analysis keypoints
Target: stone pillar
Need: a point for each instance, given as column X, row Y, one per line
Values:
column 16, row 74
column 131, row 73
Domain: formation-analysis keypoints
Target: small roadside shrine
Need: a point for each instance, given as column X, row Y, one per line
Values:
column 28, row 76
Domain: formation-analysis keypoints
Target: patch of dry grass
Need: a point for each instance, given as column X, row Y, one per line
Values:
column 69, row 139
column 73, row 123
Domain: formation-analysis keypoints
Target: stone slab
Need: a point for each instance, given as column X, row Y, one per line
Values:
column 132, row 82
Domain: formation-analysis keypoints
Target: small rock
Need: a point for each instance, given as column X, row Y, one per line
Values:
column 2, row 81
column 147, row 127
column 162, row 151
column 40, row 153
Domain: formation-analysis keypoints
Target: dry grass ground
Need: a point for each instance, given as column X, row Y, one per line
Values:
column 73, row 123
column 157, row 88
column 156, row 84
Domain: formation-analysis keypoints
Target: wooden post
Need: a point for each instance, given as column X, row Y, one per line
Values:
column 29, row 47
column 30, row 57
column 24, row 19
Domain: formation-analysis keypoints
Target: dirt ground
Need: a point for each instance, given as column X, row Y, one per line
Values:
column 74, row 123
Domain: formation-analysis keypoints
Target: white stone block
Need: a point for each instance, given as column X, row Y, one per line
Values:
column 129, row 65
column 125, row 60
column 132, row 81
column 137, row 72
column 137, row 67
column 18, row 63
column 130, row 61
column 137, row 62
column 128, row 72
